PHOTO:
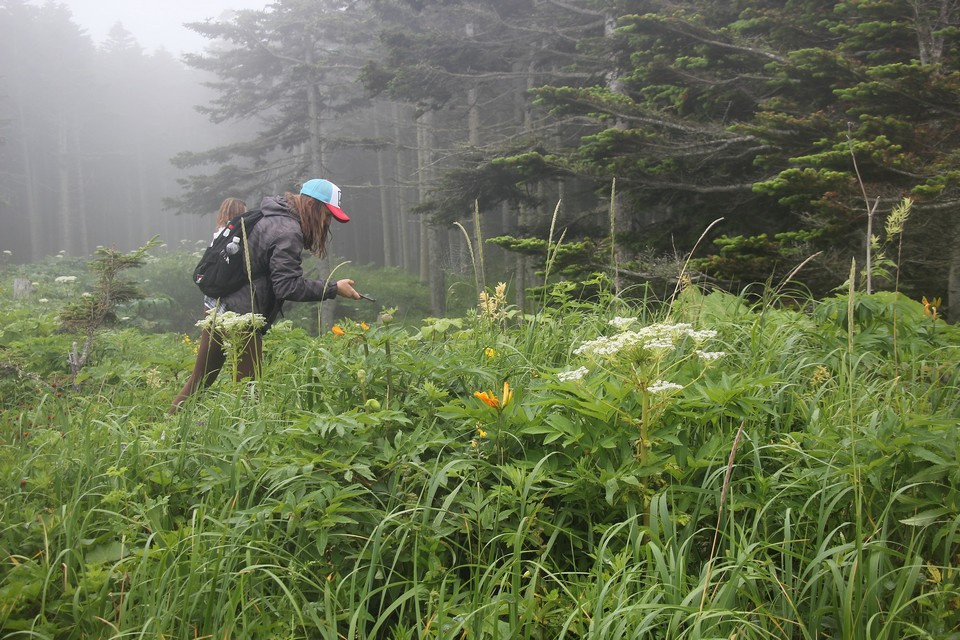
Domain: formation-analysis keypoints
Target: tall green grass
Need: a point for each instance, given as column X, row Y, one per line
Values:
column 360, row 490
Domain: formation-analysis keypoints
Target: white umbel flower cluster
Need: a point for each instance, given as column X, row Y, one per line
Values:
column 65, row 279
column 662, row 386
column 709, row 356
column 230, row 322
column 576, row 374
column 621, row 324
column 654, row 337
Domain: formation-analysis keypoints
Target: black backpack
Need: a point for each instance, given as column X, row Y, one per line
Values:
column 222, row 269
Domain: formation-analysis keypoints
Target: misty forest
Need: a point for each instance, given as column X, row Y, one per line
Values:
column 660, row 342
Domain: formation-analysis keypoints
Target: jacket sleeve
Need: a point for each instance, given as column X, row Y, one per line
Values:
column 286, row 272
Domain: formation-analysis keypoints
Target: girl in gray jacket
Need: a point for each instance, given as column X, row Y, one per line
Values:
column 291, row 224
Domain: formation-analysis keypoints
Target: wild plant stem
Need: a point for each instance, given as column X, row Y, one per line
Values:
column 613, row 237
column 723, row 498
column 686, row 263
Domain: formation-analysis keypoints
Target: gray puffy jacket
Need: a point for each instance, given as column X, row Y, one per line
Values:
column 276, row 248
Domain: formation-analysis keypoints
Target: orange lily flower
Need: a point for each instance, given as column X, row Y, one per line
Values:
column 487, row 398
column 365, row 326
column 338, row 331
column 490, row 399
column 930, row 307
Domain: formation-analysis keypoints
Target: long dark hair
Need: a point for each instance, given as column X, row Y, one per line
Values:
column 314, row 222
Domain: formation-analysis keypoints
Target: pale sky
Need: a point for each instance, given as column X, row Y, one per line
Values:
column 153, row 23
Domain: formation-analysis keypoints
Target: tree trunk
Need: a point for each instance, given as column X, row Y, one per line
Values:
column 406, row 242
column 328, row 308
column 931, row 18
column 22, row 288
column 421, row 196
column 79, row 202
column 64, row 237
column 386, row 219
column 522, row 224
column 144, row 206
column 438, row 291
column 431, row 270
column 620, row 219
column 31, row 215
column 953, row 278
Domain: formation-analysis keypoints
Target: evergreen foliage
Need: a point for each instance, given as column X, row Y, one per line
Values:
column 795, row 122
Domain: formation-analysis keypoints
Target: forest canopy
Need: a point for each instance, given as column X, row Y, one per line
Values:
column 801, row 125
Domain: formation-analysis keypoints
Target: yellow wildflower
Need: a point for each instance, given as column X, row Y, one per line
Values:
column 490, row 352
column 365, row 326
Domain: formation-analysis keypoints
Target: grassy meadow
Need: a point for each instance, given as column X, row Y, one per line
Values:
column 714, row 466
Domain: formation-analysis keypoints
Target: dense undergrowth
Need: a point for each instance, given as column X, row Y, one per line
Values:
column 716, row 467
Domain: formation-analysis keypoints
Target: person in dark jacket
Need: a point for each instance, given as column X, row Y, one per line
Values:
column 291, row 224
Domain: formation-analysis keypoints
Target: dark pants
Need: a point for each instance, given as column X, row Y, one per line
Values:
column 211, row 358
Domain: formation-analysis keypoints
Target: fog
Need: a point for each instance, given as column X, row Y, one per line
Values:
column 119, row 125
column 96, row 100
column 511, row 119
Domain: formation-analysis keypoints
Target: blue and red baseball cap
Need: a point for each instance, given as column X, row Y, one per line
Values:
column 327, row 193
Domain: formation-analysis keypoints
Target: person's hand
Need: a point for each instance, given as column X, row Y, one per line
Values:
column 345, row 289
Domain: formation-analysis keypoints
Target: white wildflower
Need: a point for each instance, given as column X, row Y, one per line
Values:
column 65, row 279
column 709, row 356
column 229, row 321
column 659, row 337
column 86, row 294
column 154, row 379
column 576, row 374
column 660, row 343
column 662, row 386
column 702, row 335
column 621, row 323
column 59, row 255
column 661, row 330
column 7, row 252
column 44, row 300
column 608, row 346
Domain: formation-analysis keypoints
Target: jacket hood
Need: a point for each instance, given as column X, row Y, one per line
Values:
column 277, row 206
